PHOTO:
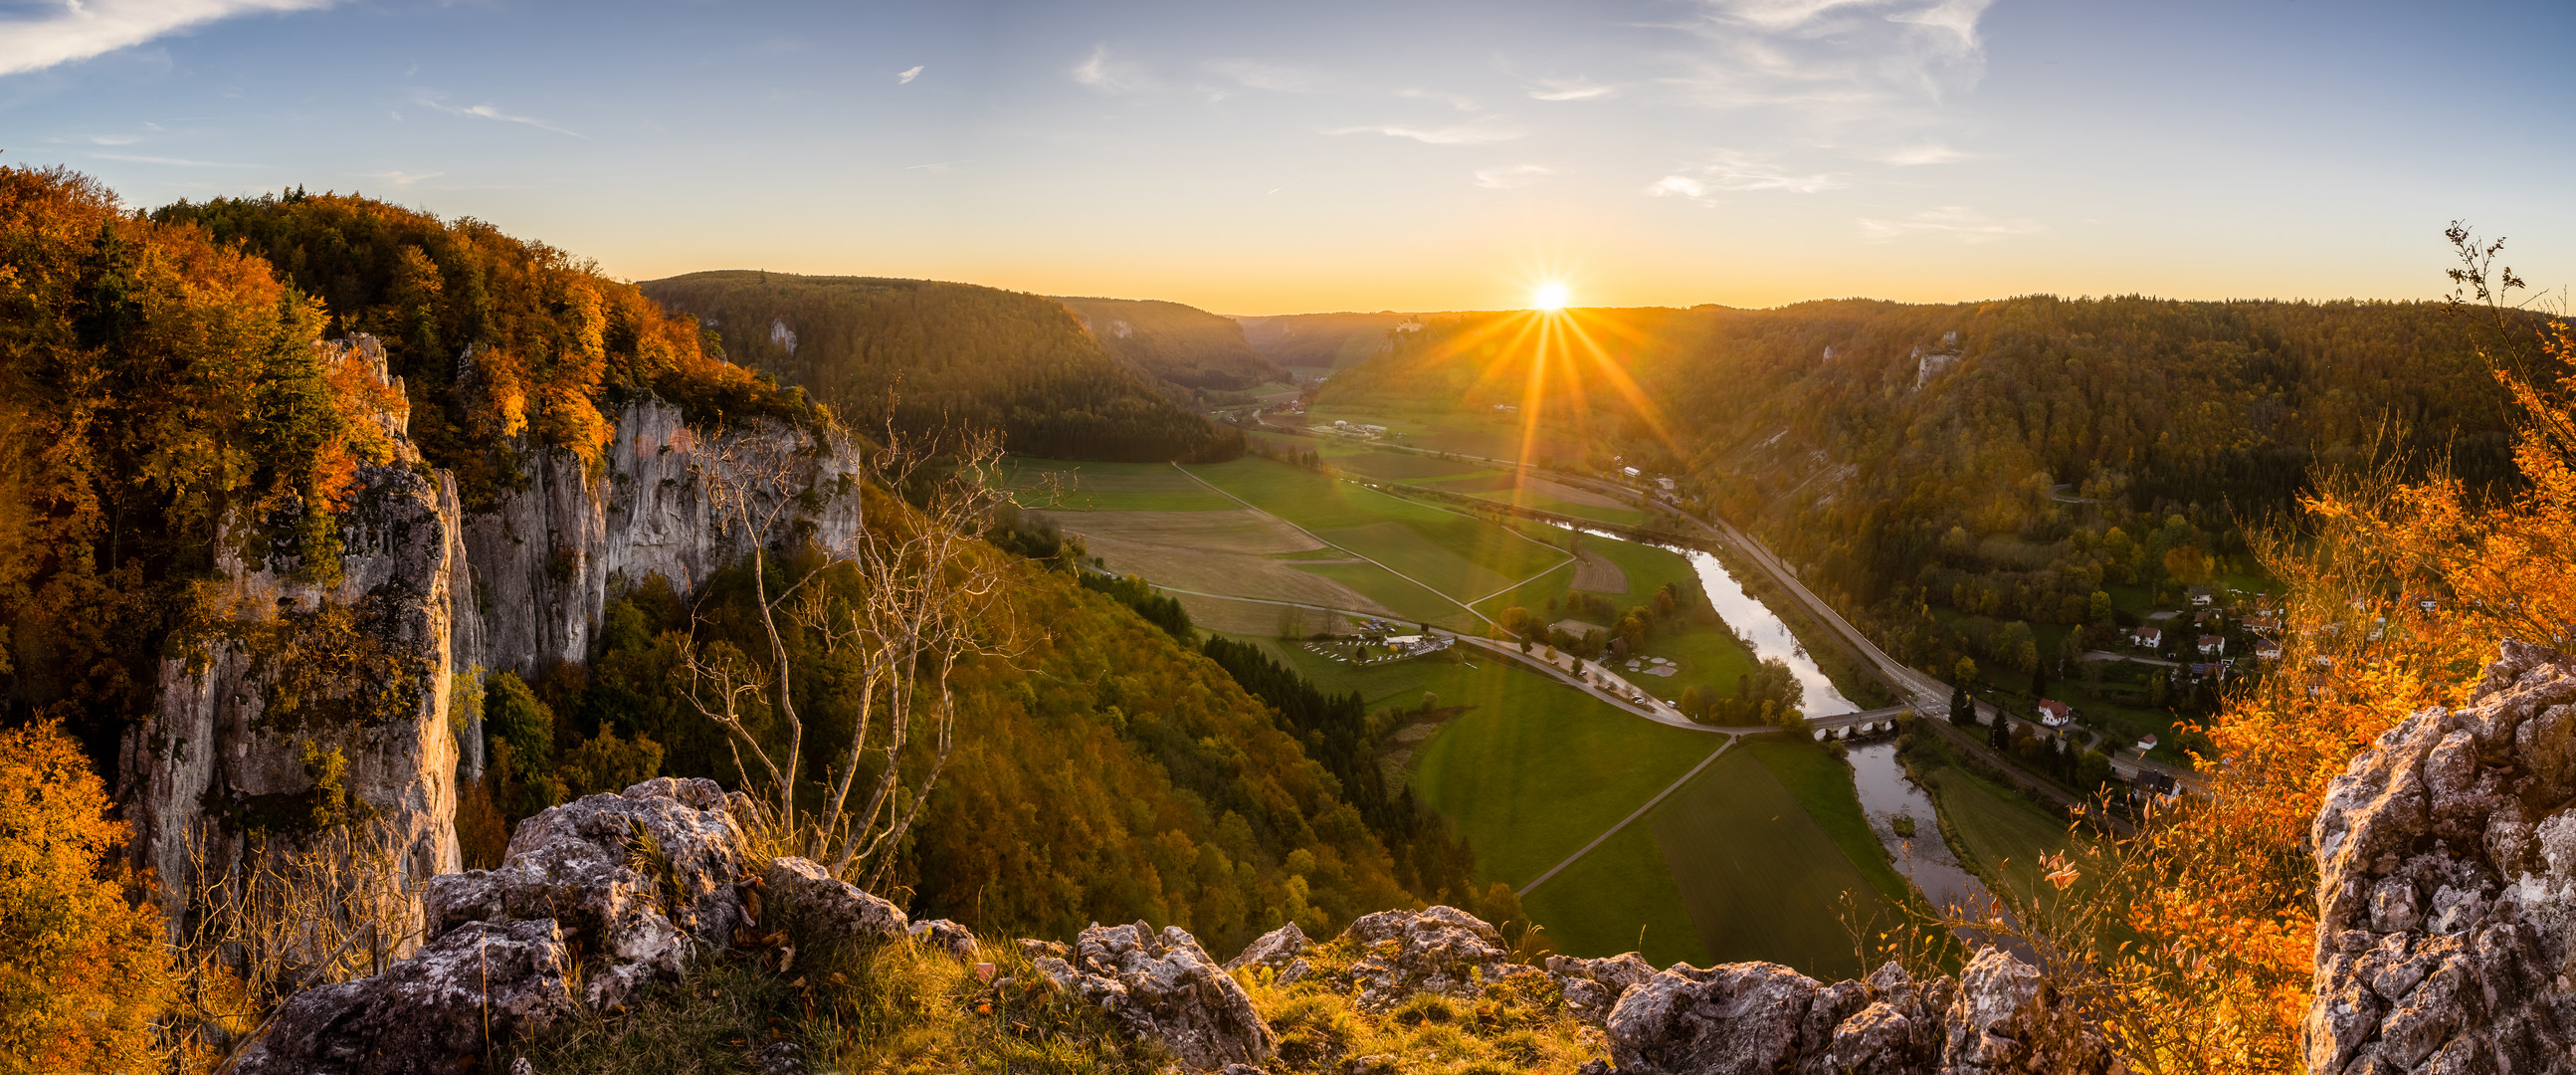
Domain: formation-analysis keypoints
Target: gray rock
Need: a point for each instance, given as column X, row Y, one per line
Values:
column 1731, row 1019
column 1276, row 950
column 825, row 906
column 1165, row 988
column 473, row 987
column 635, row 877
column 1437, row 950
column 947, row 936
column 1593, row 986
column 2446, row 885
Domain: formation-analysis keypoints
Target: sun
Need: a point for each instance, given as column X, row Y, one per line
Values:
column 1549, row 296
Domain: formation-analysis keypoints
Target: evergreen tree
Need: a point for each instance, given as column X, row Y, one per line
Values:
column 2000, row 735
column 1963, row 712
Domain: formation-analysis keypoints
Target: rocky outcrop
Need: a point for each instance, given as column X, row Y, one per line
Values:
column 2446, row 886
column 1163, row 987
column 595, row 898
column 634, row 879
column 361, row 664
column 547, row 558
column 287, row 656
column 432, row 1012
column 1763, row 1017
column 802, row 891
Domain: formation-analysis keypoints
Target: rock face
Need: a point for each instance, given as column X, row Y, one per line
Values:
column 363, row 664
column 2446, row 888
column 1164, row 987
column 546, row 560
column 608, row 892
column 358, row 665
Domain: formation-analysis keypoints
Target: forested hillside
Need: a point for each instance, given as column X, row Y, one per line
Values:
column 1956, row 470
column 1321, row 341
column 1185, row 345
column 945, row 354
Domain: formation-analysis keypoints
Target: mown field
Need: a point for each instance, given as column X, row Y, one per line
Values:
column 2001, row 835
column 1459, row 556
column 1051, row 484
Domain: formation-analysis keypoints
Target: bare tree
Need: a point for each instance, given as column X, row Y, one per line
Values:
column 906, row 600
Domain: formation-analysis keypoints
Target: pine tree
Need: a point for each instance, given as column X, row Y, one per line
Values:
column 2001, row 733
column 1962, row 711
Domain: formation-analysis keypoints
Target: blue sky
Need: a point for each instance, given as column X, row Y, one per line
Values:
column 1280, row 157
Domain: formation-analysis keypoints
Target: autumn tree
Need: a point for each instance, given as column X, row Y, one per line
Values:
column 84, row 966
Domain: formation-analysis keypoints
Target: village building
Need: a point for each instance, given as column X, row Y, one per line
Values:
column 2213, row 645
column 2054, row 713
column 2148, row 637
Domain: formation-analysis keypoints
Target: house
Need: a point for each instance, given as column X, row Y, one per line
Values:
column 2267, row 650
column 2209, row 618
column 2155, row 783
column 2054, row 713
column 2264, row 624
column 2213, row 645
column 2202, row 669
column 1369, row 431
column 1631, row 472
column 2148, row 637
column 1666, row 484
column 2203, row 596
column 2146, row 744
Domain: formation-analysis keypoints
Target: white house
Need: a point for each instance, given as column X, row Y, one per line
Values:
column 2213, row 645
column 2148, row 637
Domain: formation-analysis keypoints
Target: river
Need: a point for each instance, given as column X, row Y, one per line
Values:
column 1886, row 793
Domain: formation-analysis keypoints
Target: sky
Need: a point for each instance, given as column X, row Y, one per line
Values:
column 1279, row 157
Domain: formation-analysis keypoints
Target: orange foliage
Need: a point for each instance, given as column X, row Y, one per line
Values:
column 2399, row 592
column 84, row 968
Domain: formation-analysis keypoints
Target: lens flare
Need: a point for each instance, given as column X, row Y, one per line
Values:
column 1549, row 296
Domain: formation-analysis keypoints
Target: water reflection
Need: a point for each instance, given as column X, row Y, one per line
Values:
column 1750, row 618
column 1886, row 794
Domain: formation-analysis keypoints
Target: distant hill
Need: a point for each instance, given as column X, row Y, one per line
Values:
column 1322, row 341
column 946, row 353
column 1184, row 345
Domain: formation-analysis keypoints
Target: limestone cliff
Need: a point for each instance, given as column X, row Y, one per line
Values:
column 280, row 672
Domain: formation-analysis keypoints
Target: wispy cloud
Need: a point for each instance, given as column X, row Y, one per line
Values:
column 1105, row 75
column 1728, row 172
column 1275, row 77
column 137, row 158
column 1572, row 89
column 1459, row 101
column 1850, row 58
column 1928, row 151
column 903, row 77
column 79, row 29
column 493, row 112
column 114, row 139
column 1512, row 176
column 1954, row 221
column 1482, row 131
column 401, row 178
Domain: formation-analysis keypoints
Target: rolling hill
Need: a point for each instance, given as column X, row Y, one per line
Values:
column 1184, row 345
column 928, row 355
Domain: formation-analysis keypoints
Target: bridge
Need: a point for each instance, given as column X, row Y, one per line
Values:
column 1843, row 725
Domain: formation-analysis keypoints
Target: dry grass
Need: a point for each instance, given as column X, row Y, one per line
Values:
column 1227, row 552
column 1597, row 574
column 1514, row 1026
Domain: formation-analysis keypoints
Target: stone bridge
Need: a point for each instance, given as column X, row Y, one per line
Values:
column 1845, row 725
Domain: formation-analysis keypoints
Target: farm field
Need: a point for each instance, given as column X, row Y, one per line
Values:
column 1535, row 771
column 1458, row 556
column 1113, row 486
column 1620, row 898
column 2000, row 833
column 1762, row 877
column 1481, row 434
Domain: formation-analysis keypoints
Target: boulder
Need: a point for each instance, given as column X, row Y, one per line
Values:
column 633, row 878
column 1437, row 950
column 824, row 906
column 2446, row 885
column 600, row 895
column 1592, row 986
column 1164, row 987
column 435, row 1011
column 947, row 936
